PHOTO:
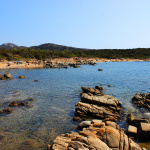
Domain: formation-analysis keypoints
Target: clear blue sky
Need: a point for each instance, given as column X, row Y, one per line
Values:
column 97, row 24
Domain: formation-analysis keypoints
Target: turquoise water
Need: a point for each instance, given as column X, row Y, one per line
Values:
column 57, row 92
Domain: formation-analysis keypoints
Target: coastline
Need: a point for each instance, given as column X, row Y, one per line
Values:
column 40, row 81
column 34, row 63
column 98, row 128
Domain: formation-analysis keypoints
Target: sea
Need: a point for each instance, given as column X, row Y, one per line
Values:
column 56, row 93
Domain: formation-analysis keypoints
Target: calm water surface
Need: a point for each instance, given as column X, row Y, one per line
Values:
column 57, row 92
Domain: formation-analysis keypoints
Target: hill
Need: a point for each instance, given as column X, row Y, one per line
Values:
column 46, row 46
column 45, row 51
column 56, row 47
column 9, row 45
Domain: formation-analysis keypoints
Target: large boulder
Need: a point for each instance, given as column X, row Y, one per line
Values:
column 95, row 138
column 144, row 131
column 89, row 110
column 132, row 131
column 131, row 120
column 7, row 75
column 142, row 100
column 97, row 106
column 101, row 134
column 137, row 122
column 104, row 100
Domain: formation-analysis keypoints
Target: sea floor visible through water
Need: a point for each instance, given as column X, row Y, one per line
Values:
column 56, row 93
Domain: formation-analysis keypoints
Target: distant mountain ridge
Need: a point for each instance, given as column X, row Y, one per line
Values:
column 9, row 45
column 53, row 47
column 12, row 51
column 46, row 46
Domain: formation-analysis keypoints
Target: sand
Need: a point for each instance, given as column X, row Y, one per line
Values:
column 33, row 63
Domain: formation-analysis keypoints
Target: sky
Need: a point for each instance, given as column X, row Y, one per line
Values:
column 94, row 24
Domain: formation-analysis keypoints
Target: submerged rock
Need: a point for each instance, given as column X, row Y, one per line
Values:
column 26, row 102
column 8, row 110
column 100, row 69
column 94, row 91
column 76, row 66
column 21, row 76
column 29, row 144
column 36, row 80
column 77, row 119
column 13, row 104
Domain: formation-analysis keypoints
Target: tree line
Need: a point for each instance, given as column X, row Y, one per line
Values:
column 29, row 53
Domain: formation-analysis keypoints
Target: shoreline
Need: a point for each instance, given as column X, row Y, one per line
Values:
column 98, row 129
column 40, row 126
column 34, row 63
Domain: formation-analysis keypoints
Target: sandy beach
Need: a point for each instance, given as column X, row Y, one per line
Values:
column 33, row 63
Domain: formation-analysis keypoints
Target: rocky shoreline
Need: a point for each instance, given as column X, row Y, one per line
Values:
column 98, row 136
column 98, row 114
column 94, row 103
column 99, row 130
column 58, row 62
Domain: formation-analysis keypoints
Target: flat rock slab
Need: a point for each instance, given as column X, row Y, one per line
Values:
column 98, row 106
column 132, row 131
column 131, row 120
column 90, row 110
column 105, row 100
column 144, row 131
column 96, row 121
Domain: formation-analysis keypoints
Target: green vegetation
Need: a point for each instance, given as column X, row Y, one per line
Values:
column 28, row 53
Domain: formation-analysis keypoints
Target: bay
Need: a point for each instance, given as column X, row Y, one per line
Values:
column 58, row 90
